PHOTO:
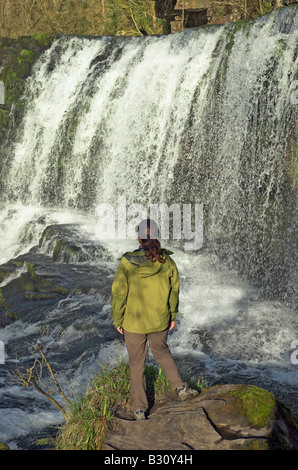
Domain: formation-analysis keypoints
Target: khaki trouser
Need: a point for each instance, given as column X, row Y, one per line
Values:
column 137, row 345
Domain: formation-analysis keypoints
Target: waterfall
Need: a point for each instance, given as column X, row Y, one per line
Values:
column 203, row 117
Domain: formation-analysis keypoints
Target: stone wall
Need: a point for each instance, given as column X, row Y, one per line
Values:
column 183, row 14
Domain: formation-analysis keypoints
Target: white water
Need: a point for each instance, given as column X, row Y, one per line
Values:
column 150, row 119
column 130, row 106
column 226, row 332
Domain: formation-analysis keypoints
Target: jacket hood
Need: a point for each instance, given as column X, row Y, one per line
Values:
column 137, row 262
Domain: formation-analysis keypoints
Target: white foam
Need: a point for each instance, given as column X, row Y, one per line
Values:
column 17, row 422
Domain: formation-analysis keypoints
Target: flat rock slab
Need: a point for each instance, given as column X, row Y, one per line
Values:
column 170, row 432
column 217, row 420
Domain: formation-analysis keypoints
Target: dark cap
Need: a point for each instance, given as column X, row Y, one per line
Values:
column 147, row 229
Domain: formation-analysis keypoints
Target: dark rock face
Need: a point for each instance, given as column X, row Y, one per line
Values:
column 50, row 272
column 65, row 245
column 17, row 58
column 227, row 417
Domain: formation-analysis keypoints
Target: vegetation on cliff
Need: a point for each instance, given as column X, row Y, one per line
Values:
column 18, row 57
column 110, row 17
column 28, row 27
column 245, row 9
column 108, row 396
column 242, row 412
column 86, row 17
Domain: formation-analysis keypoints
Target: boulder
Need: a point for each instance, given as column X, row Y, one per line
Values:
column 226, row 417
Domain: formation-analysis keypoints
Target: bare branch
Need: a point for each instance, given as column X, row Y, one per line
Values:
column 34, row 374
column 49, row 397
column 38, row 347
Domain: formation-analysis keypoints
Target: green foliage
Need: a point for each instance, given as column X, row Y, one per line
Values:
column 256, row 444
column 91, row 415
column 292, row 164
column 31, row 271
column 4, row 446
column 157, row 383
column 132, row 18
column 267, row 6
column 43, row 39
column 25, row 54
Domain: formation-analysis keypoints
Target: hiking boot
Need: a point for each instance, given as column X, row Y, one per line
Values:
column 139, row 415
column 186, row 393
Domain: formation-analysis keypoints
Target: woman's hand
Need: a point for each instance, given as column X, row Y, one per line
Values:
column 171, row 326
column 120, row 329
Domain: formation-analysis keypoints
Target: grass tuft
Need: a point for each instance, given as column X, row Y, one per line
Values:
column 91, row 416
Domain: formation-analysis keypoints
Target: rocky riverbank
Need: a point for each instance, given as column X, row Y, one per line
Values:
column 225, row 417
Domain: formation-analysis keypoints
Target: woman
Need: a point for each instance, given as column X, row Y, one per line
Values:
column 145, row 296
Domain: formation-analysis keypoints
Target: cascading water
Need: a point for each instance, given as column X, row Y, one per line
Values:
column 204, row 116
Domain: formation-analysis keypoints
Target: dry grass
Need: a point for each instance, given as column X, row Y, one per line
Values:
column 86, row 17
column 102, row 17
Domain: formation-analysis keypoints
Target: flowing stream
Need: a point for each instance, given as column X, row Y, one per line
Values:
column 203, row 119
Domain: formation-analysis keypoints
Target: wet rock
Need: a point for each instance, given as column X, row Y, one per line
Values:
column 44, row 283
column 65, row 244
column 64, row 263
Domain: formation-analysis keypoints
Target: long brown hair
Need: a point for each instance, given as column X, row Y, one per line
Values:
column 148, row 233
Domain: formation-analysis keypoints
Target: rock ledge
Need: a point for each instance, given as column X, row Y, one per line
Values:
column 226, row 417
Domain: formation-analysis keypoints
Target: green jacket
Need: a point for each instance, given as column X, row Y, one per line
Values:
column 145, row 294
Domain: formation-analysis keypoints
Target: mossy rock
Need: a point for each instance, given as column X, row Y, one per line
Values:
column 17, row 57
column 4, row 446
column 257, row 405
column 245, row 411
column 64, row 244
